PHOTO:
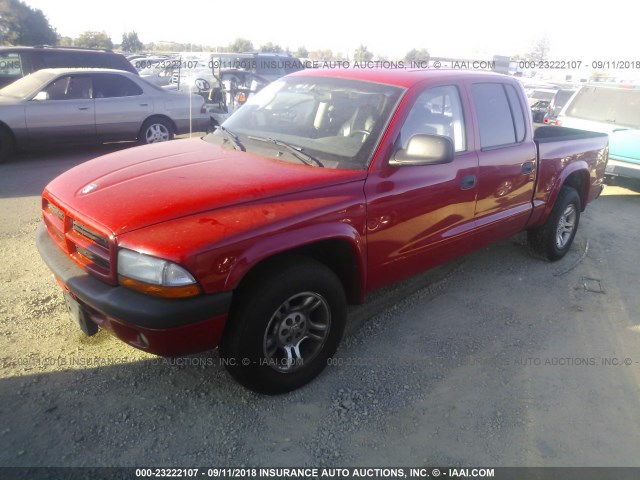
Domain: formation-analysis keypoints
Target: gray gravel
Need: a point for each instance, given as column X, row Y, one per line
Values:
column 495, row 359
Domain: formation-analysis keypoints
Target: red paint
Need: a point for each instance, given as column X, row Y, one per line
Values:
column 219, row 212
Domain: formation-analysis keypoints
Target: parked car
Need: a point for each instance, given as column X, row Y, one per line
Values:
column 323, row 187
column 539, row 110
column 63, row 106
column 614, row 110
column 558, row 101
column 539, row 101
column 16, row 62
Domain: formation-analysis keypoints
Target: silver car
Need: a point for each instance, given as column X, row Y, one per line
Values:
column 64, row 106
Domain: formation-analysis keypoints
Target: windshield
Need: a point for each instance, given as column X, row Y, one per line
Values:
column 617, row 106
column 337, row 122
column 27, row 86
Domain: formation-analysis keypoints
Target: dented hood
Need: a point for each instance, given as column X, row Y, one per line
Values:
column 143, row 186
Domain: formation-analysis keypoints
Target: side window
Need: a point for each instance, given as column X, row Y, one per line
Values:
column 500, row 115
column 51, row 59
column 70, row 88
column 11, row 65
column 518, row 114
column 437, row 111
column 110, row 85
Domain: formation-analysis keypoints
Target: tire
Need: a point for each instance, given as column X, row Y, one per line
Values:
column 553, row 240
column 155, row 130
column 297, row 306
column 7, row 145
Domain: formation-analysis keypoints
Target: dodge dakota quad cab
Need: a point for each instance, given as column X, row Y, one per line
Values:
column 323, row 187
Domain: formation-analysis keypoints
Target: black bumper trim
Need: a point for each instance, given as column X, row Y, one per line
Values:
column 124, row 304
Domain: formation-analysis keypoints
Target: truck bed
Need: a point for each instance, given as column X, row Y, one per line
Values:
column 562, row 151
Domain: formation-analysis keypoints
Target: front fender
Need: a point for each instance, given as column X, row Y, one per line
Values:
column 300, row 238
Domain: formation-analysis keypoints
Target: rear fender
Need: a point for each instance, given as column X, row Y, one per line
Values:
column 575, row 174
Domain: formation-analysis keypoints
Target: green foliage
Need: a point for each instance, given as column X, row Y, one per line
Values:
column 241, row 45
column 23, row 25
column 540, row 51
column 362, row 54
column 269, row 47
column 131, row 42
column 416, row 55
column 302, row 52
column 94, row 40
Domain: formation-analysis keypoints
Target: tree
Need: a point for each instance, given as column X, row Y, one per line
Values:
column 241, row 45
column 94, row 40
column 302, row 52
column 23, row 25
column 269, row 47
column 362, row 54
column 417, row 56
column 540, row 50
column 65, row 41
column 131, row 42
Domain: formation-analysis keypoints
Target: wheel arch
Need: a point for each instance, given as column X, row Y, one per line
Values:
column 6, row 128
column 340, row 254
column 157, row 116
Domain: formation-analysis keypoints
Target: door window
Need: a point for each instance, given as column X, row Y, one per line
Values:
column 437, row 111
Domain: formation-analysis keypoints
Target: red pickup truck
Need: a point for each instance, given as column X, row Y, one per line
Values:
column 324, row 186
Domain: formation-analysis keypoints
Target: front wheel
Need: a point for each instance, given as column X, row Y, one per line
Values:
column 555, row 237
column 155, row 130
column 284, row 326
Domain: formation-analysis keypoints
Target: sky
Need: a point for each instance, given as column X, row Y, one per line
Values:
column 475, row 29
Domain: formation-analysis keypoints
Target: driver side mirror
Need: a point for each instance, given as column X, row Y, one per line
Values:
column 40, row 96
column 424, row 149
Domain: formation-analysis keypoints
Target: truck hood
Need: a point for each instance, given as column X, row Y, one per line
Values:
column 143, row 186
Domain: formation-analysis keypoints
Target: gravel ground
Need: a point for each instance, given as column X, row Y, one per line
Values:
column 497, row 359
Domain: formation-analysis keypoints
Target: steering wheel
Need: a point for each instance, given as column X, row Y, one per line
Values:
column 202, row 84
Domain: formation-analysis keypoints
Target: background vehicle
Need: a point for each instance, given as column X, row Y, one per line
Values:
column 16, row 62
column 62, row 106
column 323, row 187
column 614, row 110
column 539, row 110
column 539, row 100
column 558, row 101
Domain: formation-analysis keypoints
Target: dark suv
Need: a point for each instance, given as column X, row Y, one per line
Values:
column 16, row 62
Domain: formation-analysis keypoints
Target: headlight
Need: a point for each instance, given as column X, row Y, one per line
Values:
column 155, row 276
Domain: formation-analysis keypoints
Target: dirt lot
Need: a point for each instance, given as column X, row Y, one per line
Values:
column 498, row 359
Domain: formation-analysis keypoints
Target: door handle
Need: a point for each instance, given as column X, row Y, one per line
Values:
column 527, row 168
column 144, row 104
column 467, row 182
column 83, row 108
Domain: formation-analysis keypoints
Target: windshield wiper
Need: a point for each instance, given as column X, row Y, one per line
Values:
column 296, row 151
column 237, row 144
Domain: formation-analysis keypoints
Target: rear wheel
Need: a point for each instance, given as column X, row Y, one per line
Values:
column 284, row 326
column 554, row 238
column 156, row 130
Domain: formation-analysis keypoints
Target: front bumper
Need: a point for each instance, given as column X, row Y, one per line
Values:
column 156, row 325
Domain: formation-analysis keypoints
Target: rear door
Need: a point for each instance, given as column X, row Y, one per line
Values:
column 121, row 106
column 507, row 161
column 66, row 115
